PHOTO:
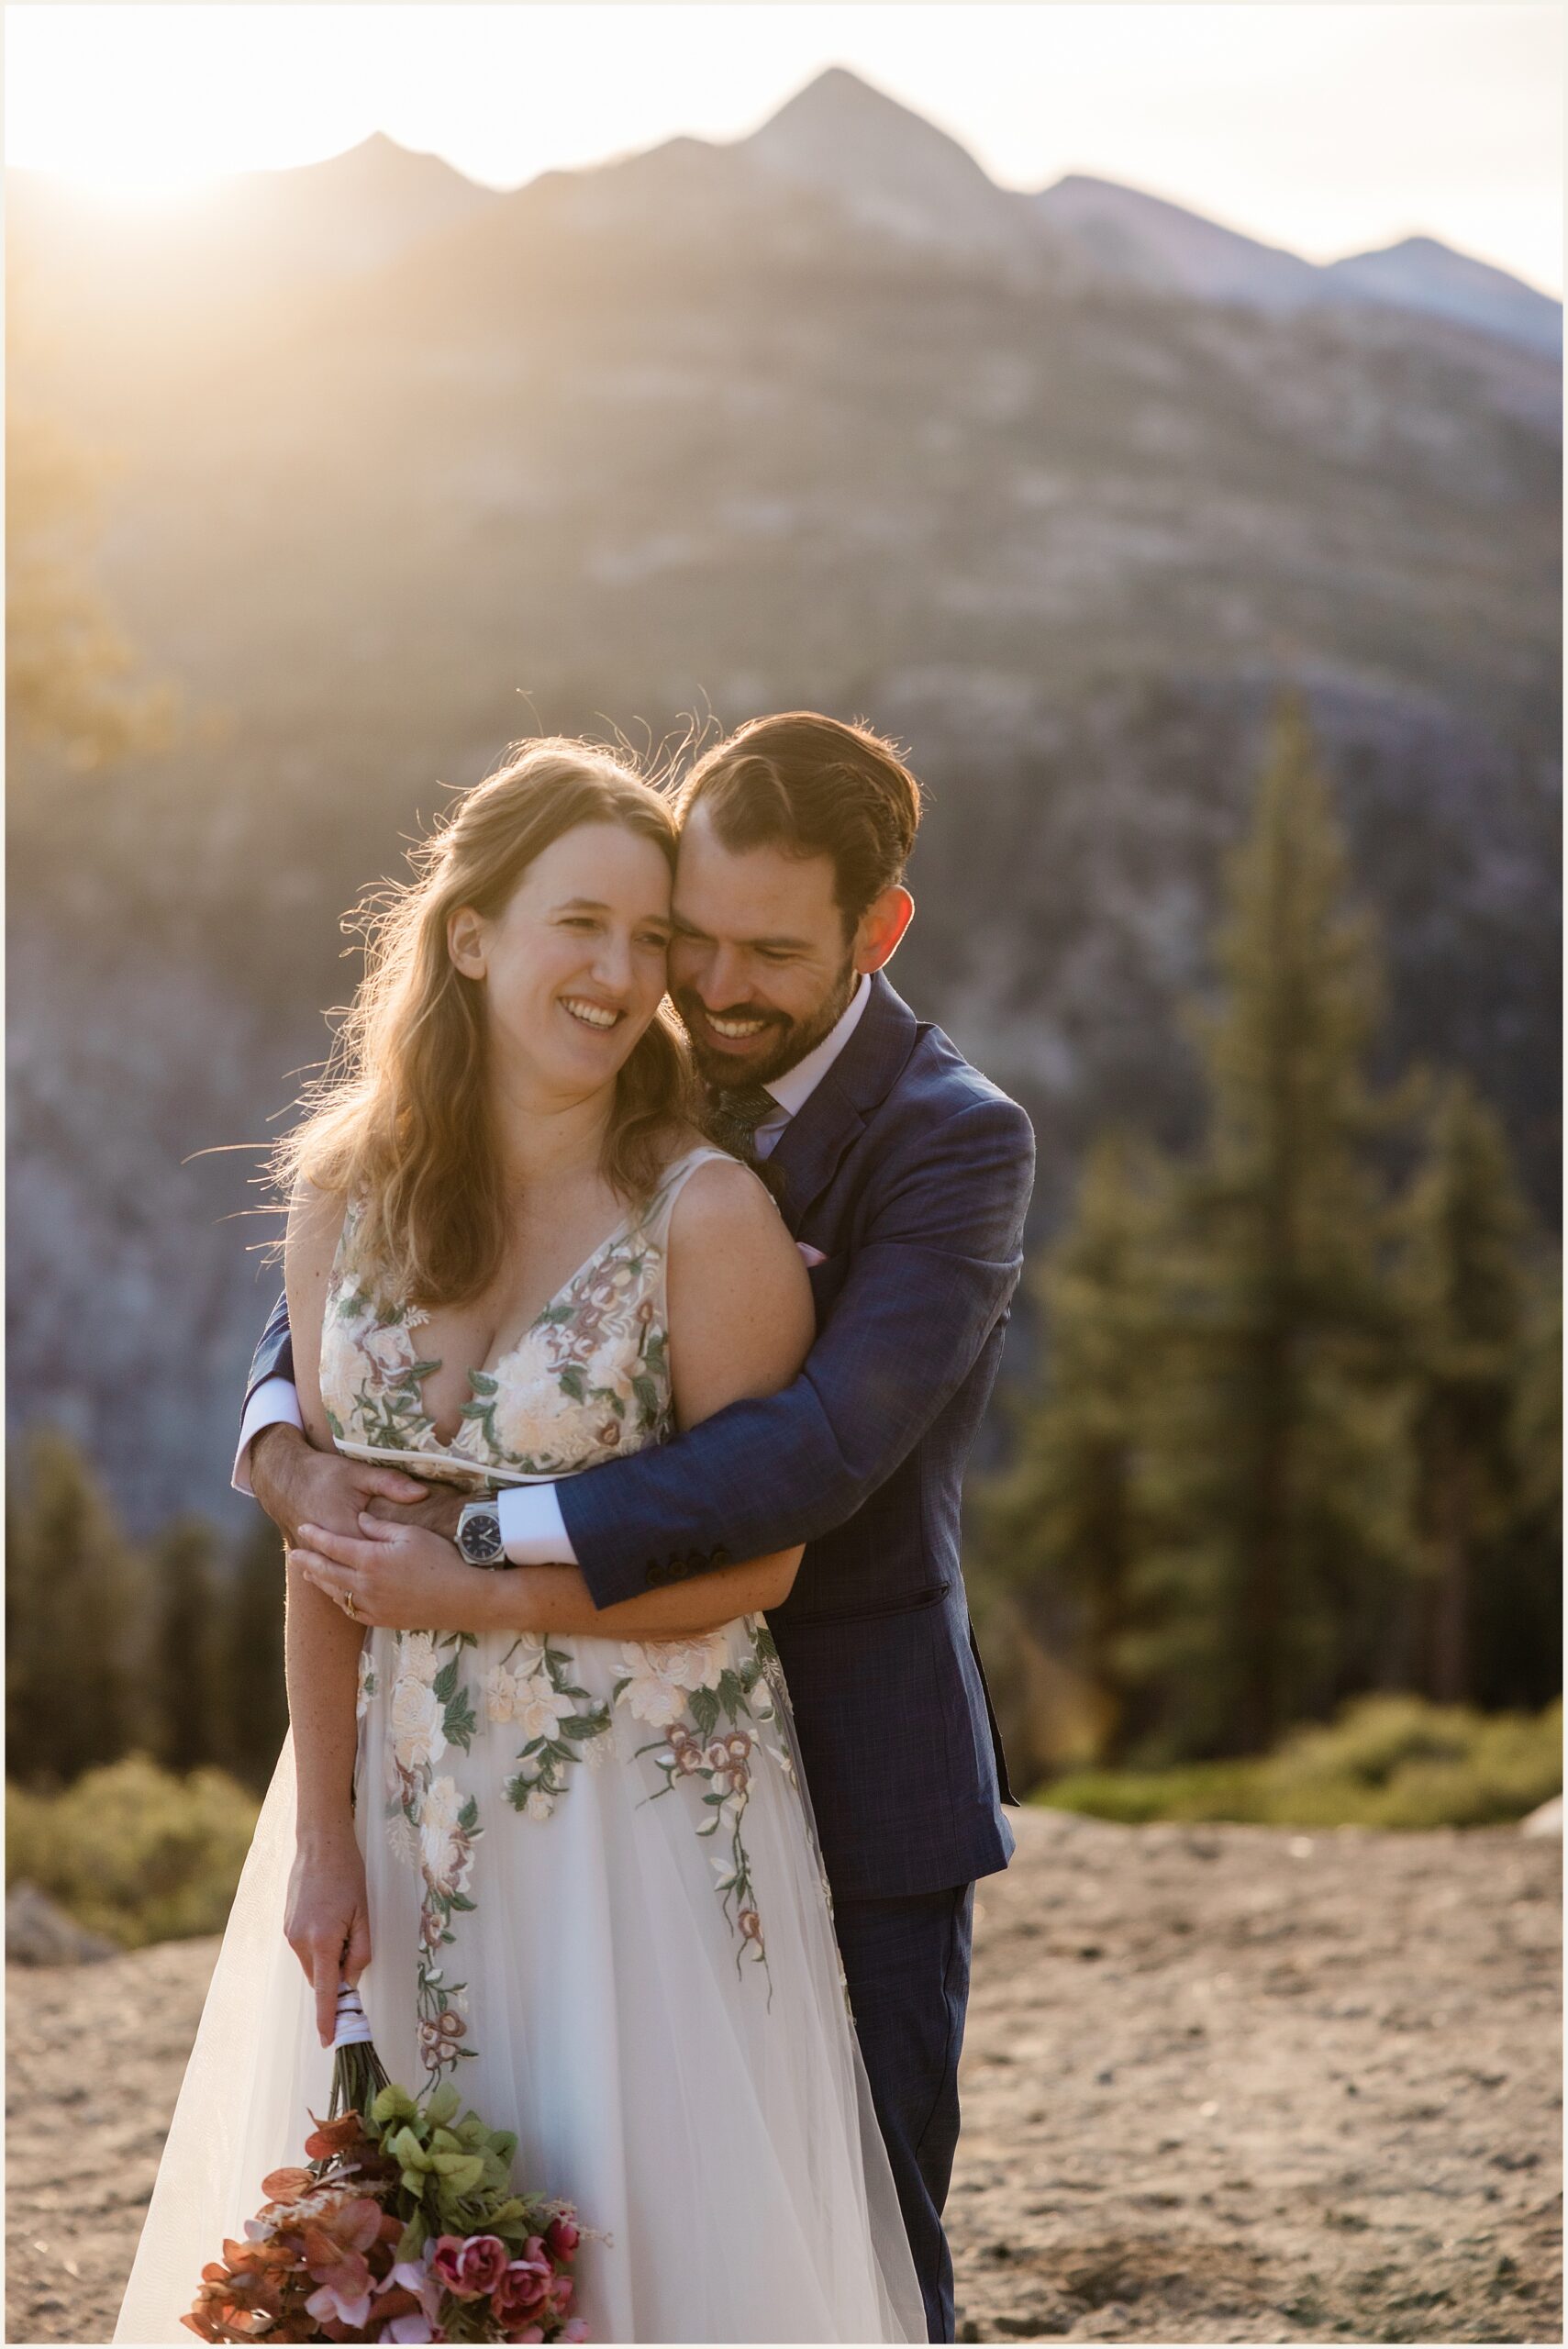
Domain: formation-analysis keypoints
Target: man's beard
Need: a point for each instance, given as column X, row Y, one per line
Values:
column 776, row 1054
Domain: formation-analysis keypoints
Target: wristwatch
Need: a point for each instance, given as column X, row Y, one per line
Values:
column 478, row 1535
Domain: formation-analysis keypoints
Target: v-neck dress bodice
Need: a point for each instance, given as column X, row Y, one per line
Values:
column 588, row 1379
column 595, row 1897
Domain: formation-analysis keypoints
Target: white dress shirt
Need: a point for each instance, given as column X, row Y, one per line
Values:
column 532, row 1528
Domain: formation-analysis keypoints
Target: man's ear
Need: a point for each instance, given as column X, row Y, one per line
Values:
column 465, row 942
column 881, row 927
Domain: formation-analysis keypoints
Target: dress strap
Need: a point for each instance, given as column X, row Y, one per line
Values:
column 674, row 1181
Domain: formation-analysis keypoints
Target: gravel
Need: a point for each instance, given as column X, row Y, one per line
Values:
column 1221, row 2084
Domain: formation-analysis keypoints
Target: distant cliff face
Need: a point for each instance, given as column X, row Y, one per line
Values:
column 700, row 429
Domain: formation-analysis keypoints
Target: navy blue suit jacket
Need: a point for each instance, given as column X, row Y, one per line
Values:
column 910, row 1173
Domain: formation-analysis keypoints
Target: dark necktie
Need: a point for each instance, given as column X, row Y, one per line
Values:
column 734, row 1117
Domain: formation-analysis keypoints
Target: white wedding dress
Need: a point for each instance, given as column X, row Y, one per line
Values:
column 596, row 1903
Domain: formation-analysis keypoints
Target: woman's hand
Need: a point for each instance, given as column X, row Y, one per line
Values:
column 328, row 1923
column 398, row 1575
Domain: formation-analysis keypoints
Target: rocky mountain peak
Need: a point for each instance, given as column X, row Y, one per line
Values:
column 893, row 169
column 1421, row 274
column 1127, row 234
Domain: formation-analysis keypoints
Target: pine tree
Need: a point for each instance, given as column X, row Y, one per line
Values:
column 1466, row 1231
column 254, row 1700
column 1278, row 1461
column 72, row 1604
column 1518, row 1611
column 184, row 1662
column 1062, row 1530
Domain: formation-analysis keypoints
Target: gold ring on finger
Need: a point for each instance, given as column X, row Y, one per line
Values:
column 349, row 1609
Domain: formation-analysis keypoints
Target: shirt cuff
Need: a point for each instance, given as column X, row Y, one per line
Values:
column 533, row 1532
column 274, row 1403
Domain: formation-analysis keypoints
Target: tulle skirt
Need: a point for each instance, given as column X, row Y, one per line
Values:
column 596, row 1906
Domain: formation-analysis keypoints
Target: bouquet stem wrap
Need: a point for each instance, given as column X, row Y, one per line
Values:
column 358, row 2074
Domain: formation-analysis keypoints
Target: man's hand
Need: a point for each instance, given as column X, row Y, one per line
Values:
column 293, row 1481
column 437, row 1513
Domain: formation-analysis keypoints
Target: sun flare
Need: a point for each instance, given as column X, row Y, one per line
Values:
column 1219, row 108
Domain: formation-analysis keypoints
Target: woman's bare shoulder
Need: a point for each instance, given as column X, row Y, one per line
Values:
column 723, row 1203
column 315, row 1223
column 740, row 1311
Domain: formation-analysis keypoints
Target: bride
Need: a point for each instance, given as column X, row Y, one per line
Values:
column 567, row 1860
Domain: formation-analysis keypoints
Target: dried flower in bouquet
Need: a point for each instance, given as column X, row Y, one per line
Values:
column 406, row 2227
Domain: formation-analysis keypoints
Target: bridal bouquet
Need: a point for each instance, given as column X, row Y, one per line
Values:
column 405, row 2228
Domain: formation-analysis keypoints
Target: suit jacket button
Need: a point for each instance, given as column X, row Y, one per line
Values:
column 721, row 1557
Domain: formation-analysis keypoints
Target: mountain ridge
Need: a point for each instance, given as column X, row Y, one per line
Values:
column 683, row 434
column 895, row 174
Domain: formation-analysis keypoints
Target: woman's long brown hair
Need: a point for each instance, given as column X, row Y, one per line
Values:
column 400, row 1123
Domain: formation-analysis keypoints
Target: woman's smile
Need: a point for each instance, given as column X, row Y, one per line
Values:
column 591, row 1015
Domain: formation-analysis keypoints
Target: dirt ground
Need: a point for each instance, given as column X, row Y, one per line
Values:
column 1221, row 2084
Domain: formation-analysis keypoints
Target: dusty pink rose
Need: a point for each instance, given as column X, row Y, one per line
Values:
column 576, row 2331
column 522, row 2290
column 562, row 2235
column 469, row 2266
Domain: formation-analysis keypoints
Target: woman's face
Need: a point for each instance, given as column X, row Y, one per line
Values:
column 573, row 963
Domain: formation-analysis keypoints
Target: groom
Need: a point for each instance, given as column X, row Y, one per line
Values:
column 904, row 1175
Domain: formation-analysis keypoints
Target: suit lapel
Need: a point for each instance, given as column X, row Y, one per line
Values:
column 814, row 1143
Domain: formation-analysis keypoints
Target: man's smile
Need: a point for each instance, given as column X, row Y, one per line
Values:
column 737, row 1025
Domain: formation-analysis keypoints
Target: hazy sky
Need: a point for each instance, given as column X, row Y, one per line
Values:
column 1328, row 126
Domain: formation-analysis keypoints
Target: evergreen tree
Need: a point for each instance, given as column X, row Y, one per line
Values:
column 1277, row 1463
column 1065, row 1529
column 1518, row 1613
column 254, row 1700
column 1467, row 1229
column 72, row 1666
column 184, row 1662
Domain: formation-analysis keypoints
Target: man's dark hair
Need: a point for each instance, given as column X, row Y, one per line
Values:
column 813, row 787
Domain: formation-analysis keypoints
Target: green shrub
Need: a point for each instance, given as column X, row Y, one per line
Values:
column 132, row 1851
column 1386, row 1762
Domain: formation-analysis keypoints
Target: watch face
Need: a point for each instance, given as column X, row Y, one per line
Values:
column 480, row 1537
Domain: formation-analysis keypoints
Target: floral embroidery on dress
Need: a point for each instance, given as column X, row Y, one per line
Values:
column 665, row 1680
column 372, row 1374
column 542, row 1695
column 588, row 1380
column 432, row 1824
